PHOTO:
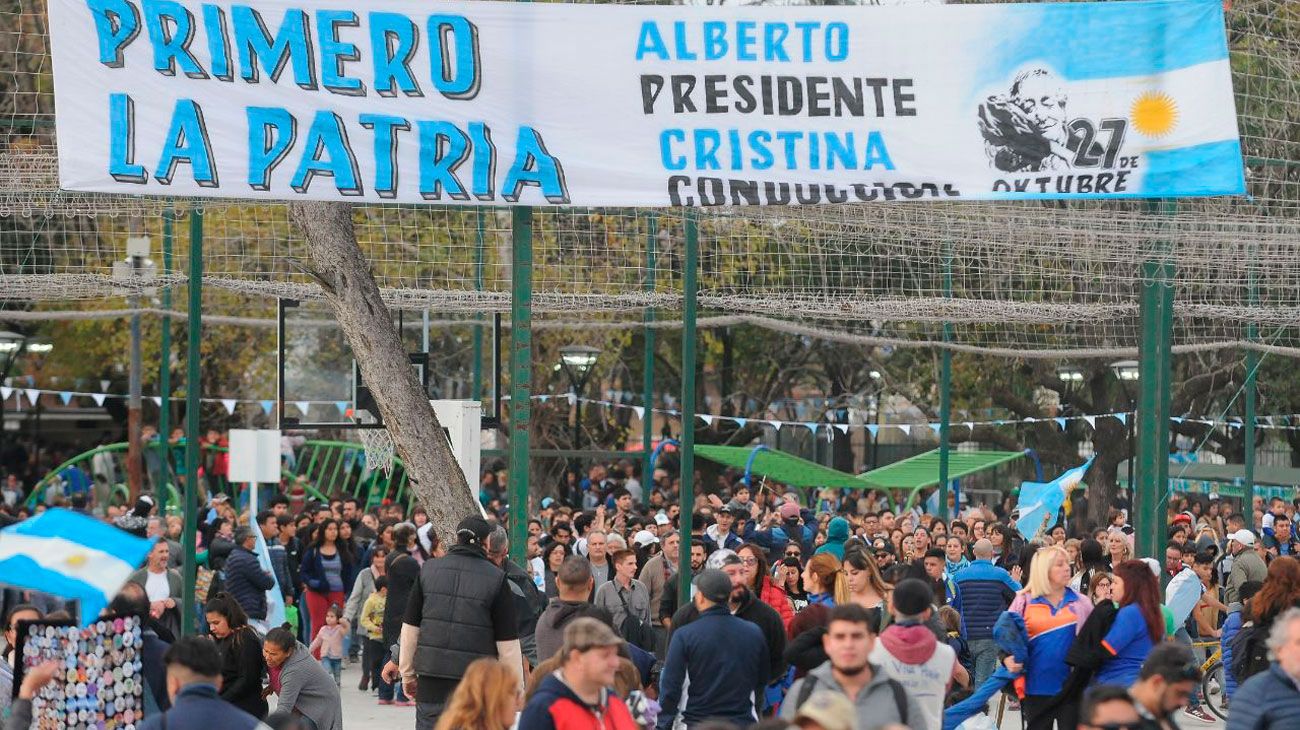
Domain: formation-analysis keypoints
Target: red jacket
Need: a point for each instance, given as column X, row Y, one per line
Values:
column 555, row 707
column 774, row 596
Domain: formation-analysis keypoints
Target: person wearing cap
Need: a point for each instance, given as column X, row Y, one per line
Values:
column 580, row 694
column 245, row 579
column 460, row 609
column 626, row 597
column 826, row 711
column 909, row 653
column 878, row 700
column 1165, row 683
column 663, row 525
column 719, row 535
column 1246, row 563
column 722, row 658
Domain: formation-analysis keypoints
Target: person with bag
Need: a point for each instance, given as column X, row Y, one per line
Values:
column 628, row 601
column 1281, row 591
column 877, row 699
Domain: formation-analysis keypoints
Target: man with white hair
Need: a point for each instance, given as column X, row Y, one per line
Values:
column 1271, row 700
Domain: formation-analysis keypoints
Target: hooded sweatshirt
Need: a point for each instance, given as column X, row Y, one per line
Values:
column 837, row 532
column 558, row 614
column 910, row 654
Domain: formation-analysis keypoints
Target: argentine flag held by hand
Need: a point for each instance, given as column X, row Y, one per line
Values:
column 72, row 556
column 1041, row 501
column 274, row 598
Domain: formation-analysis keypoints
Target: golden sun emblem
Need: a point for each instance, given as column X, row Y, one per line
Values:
column 1154, row 114
column 76, row 560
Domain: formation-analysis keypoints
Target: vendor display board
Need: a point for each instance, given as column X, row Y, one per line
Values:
column 101, row 687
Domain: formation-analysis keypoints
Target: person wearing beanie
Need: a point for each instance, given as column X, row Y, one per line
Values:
column 909, row 652
column 460, row 609
column 721, row 658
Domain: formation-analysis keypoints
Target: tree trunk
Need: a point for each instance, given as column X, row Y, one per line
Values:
column 353, row 295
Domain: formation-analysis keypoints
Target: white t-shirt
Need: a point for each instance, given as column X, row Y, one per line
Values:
column 926, row 683
column 156, row 586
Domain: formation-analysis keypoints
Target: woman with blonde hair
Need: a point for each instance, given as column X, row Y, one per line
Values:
column 1118, row 549
column 1053, row 614
column 825, row 582
column 487, row 698
column 865, row 586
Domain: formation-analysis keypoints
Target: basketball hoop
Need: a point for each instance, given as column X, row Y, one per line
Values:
column 377, row 442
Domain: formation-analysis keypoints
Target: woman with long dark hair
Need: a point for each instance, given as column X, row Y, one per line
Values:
column 1092, row 561
column 1138, row 627
column 328, row 570
column 866, row 586
column 753, row 561
column 242, row 663
column 552, row 558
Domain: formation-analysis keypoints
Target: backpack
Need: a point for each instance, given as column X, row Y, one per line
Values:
column 1250, row 651
column 634, row 630
column 900, row 695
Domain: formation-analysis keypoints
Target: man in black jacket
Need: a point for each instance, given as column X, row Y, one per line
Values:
column 529, row 602
column 744, row 604
column 461, row 610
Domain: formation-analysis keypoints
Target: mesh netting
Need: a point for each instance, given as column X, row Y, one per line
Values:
column 1027, row 279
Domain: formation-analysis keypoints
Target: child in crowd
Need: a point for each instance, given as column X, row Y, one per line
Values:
column 329, row 642
column 372, row 623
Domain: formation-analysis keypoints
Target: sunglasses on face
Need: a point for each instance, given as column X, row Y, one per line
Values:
column 792, row 554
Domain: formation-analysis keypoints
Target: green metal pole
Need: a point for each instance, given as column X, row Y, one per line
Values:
column 689, row 291
column 1252, row 365
column 648, row 367
column 521, row 366
column 477, row 386
column 945, row 389
column 165, row 365
column 1154, row 367
column 193, row 390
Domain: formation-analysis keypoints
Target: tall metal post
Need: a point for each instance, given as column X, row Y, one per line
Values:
column 135, row 384
column 521, row 371
column 476, row 386
column 1153, row 398
column 945, row 389
column 1252, row 366
column 193, row 390
column 690, row 262
column 648, row 365
column 165, row 365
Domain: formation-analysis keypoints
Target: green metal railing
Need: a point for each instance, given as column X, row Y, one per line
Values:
column 323, row 469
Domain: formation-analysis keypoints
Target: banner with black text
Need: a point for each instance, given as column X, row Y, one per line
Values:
column 605, row 105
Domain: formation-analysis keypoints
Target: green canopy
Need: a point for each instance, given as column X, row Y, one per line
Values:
column 922, row 470
column 779, row 466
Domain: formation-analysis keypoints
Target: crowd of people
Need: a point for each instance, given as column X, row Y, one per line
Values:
column 836, row 610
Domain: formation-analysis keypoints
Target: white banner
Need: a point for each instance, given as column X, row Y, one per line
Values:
column 537, row 104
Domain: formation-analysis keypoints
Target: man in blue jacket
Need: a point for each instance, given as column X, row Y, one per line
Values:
column 982, row 592
column 1271, row 700
column 245, row 579
column 723, row 658
column 193, row 678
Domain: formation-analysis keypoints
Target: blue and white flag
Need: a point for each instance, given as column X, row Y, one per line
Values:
column 72, row 556
column 1182, row 593
column 1041, row 501
column 274, row 598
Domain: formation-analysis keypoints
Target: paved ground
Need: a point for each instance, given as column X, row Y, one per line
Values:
column 361, row 711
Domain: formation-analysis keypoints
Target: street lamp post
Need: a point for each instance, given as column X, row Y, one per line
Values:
column 1127, row 372
column 577, row 362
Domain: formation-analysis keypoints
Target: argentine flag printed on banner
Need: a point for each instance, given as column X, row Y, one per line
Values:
column 1076, row 92
column 72, row 556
